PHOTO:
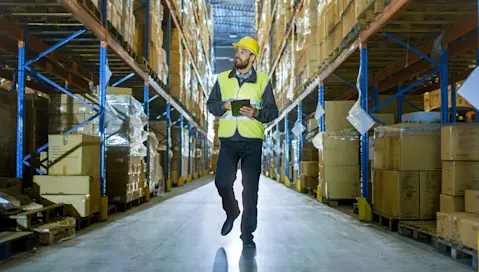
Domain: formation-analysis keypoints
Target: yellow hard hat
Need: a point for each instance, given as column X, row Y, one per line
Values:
column 249, row 43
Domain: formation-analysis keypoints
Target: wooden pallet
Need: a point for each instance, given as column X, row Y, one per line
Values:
column 387, row 222
column 456, row 251
column 123, row 207
column 338, row 202
column 30, row 219
column 14, row 243
column 423, row 231
column 84, row 222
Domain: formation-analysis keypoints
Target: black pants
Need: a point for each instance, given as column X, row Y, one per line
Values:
column 250, row 155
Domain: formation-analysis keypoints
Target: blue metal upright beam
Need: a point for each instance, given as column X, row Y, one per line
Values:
column 286, row 146
column 167, row 141
column 278, row 155
column 102, row 92
column 190, row 139
column 20, row 108
column 400, row 100
column 322, row 124
column 181, row 146
column 300, row 142
column 453, row 100
column 125, row 78
column 444, row 75
column 146, row 105
column 364, row 137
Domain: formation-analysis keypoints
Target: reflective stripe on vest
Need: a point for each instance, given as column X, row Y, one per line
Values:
column 230, row 90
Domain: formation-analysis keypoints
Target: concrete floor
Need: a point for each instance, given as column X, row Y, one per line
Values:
column 182, row 233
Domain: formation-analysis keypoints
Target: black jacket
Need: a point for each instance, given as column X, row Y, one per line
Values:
column 266, row 114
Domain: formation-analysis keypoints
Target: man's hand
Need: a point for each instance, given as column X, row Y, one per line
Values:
column 227, row 105
column 249, row 112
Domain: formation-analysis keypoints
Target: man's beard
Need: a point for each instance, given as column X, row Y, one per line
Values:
column 240, row 64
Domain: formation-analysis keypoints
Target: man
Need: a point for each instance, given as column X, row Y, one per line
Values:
column 241, row 137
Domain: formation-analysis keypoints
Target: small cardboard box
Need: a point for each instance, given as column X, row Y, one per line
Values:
column 472, row 201
column 457, row 176
column 336, row 113
column 450, row 204
column 468, row 231
column 429, row 191
column 309, row 169
column 460, row 143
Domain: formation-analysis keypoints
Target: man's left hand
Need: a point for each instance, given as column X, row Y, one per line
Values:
column 249, row 112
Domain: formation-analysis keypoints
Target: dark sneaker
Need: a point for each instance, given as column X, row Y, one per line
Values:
column 228, row 225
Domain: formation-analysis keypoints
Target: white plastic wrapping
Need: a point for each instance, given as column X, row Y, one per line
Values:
column 125, row 123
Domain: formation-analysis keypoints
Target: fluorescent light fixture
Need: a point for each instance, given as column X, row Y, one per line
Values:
column 233, row 36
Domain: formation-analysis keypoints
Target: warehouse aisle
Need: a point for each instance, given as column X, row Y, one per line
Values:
column 295, row 233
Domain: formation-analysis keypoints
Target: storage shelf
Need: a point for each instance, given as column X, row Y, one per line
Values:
column 390, row 63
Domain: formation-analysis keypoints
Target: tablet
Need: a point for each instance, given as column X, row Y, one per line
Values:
column 237, row 104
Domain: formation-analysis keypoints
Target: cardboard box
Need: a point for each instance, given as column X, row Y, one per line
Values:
column 338, row 190
column 429, row 191
column 468, row 231
column 457, row 176
column 416, row 152
column 387, row 118
column 381, row 158
column 450, row 204
column 460, row 143
column 68, row 185
column 74, row 155
column 309, row 169
column 81, row 204
column 443, row 224
column 339, row 173
column 472, row 201
column 338, row 157
column 336, row 113
column 396, row 194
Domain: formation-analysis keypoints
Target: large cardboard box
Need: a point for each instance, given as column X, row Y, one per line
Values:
column 457, row 176
column 74, row 155
column 382, row 152
column 429, row 191
column 450, row 204
column 338, row 157
column 472, row 201
column 81, row 204
column 468, row 231
column 396, row 194
column 419, row 152
column 309, row 168
column 68, row 185
column 460, row 143
column 338, row 190
column 336, row 113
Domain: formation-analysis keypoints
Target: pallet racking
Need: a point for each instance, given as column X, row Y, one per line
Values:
column 393, row 53
column 70, row 46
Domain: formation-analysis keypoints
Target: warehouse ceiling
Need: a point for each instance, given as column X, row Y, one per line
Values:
column 232, row 19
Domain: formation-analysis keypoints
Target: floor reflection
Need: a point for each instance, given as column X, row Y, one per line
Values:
column 247, row 261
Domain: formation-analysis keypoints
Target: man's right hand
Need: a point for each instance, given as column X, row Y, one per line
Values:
column 227, row 105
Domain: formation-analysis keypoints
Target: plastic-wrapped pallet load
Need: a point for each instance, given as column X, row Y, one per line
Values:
column 458, row 219
column 125, row 130
column 407, row 175
column 338, row 154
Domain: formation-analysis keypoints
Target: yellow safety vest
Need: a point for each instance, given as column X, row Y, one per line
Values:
column 247, row 127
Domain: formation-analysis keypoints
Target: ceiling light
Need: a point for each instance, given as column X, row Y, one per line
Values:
column 233, row 36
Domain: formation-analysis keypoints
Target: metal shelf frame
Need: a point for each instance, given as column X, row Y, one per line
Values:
column 106, row 41
column 460, row 33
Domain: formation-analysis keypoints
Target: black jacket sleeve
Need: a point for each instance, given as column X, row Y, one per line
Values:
column 269, row 111
column 215, row 102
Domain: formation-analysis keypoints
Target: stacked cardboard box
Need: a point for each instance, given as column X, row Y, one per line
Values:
column 432, row 100
column 73, row 173
column 458, row 218
column 66, row 112
column 407, row 171
column 125, row 175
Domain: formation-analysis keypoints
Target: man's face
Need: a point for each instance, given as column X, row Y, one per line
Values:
column 243, row 57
